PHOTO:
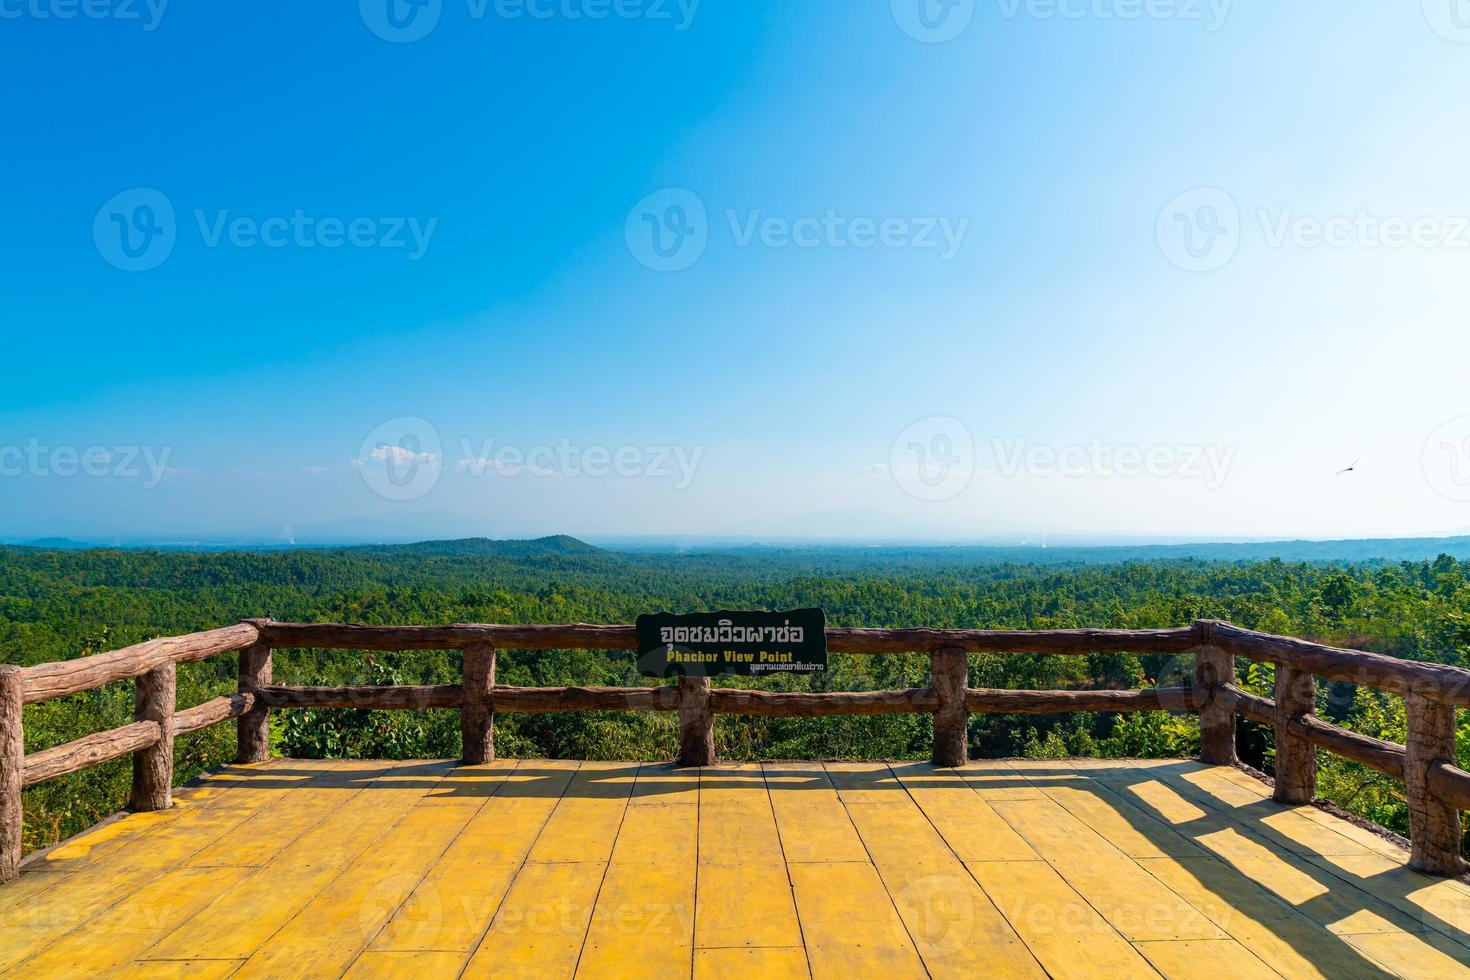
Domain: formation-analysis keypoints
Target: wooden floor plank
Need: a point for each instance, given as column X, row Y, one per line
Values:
column 1425, row 956
column 1127, row 827
column 326, row 936
column 260, row 837
column 469, row 785
column 1059, row 927
column 1233, row 835
column 643, row 921
column 407, row 965
column 997, row 780
column 114, row 938
column 744, row 892
column 1183, row 959
column 660, row 783
column 539, row 929
column 452, row 906
column 954, row 926
column 775, row 962
column 970, row 825
column 178, row 970
column 1133, row 901
column 586, row 819
column 1283, row 938
column 237, row 924
column 812, row 821
column 1278, row 823
column 865, row 782
column 850, row 925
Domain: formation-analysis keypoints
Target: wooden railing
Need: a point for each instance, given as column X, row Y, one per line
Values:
column 1436, row 789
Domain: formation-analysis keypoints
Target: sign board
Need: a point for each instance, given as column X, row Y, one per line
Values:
column 748, row 643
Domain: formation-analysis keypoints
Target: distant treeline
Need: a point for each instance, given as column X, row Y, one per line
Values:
column 57, row 604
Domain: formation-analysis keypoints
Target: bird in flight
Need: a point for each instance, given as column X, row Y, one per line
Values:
column 1349, row 469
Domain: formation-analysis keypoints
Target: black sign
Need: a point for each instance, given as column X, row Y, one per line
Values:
column 706, row 644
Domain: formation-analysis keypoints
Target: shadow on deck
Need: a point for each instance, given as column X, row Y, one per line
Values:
column 1021, row 868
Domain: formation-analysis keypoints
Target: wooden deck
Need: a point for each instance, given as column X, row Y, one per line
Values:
column 547, row 869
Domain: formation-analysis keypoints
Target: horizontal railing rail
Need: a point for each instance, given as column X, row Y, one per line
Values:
column 1436, row 788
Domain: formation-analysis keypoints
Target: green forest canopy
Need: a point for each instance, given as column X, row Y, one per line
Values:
column 58, row 604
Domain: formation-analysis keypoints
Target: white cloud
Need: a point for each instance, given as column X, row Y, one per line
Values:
column 400, row 456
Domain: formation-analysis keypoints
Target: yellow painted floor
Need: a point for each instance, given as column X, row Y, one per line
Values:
column 550, row 869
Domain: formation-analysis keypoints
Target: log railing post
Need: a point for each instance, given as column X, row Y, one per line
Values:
column 476, row 715
column 253, row 728
column 1296, row 757
column 696, row 723
column 950, row 669
column 1213, row 669
column 12, row 768
column 154, row 697
column 1434, row 824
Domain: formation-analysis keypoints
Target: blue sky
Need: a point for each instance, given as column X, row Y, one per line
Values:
column 925, row 282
